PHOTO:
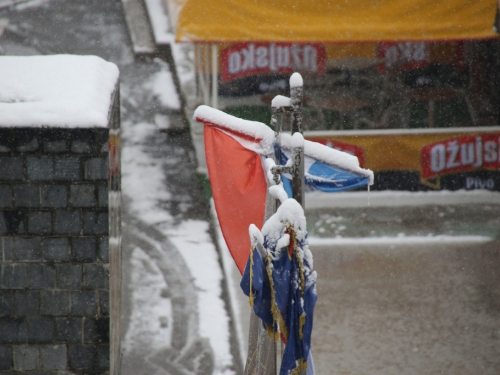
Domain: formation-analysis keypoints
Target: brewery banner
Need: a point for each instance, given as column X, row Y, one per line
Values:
column 451, row 159
column 408, row 55
column 245, row 59
column 403, row 55
column 330, row 21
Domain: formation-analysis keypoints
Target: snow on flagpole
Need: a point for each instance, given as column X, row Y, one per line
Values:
column 296, row 93
column 259, row 341
column 281, row 104
column 296, row 357
column 239, row 205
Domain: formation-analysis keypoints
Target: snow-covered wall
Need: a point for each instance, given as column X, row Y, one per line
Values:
column 59, row 215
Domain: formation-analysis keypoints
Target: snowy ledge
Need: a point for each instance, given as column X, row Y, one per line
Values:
column 399, row 240
column 62, row 91
column 391, row 198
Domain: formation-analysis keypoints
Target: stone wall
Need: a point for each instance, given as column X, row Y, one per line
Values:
column 54, row 248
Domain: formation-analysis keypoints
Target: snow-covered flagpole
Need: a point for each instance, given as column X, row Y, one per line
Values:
column 293, row 105
column 259, row 341
column 296, row 94
column 278, row 278
column 270, row 159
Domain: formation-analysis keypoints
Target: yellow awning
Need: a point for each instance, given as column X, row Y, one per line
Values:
column 326, row 21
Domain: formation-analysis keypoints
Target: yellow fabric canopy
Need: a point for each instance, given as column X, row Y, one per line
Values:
column 325, row 21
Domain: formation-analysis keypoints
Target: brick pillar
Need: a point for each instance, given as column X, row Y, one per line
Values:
column 55, row 248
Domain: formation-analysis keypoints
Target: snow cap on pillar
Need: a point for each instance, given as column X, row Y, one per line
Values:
column 64, row 91
column 280, row 101
column 297, row 140
column 296, row 80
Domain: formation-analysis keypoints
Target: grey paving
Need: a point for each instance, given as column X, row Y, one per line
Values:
column 459, row 219
column 408, row 309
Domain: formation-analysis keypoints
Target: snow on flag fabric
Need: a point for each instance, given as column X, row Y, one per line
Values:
column 321, row 176
column 235, row 150
column 281, row 284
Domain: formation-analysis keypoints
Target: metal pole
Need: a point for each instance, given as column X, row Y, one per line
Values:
column 215, row 83
column 202, row 92
column 276, row 123
column 262, row 358
column 206, row 55
column 298, row 173
column 296, row 93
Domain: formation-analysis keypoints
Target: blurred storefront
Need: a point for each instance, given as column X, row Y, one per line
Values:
column 411, row 88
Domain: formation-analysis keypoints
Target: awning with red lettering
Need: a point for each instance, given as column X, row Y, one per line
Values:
column 323, row 21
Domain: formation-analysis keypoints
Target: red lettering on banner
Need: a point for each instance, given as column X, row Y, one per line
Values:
column 402, row 55
column 460, row 155
column 412, row 55
column 345, row 147
column 244, row 59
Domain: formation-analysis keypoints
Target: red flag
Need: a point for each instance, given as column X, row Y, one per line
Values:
column 234, row 149
column 238, row 188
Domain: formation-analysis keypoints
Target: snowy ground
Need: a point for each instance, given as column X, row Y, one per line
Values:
column 175, row 261
column 400, row 294
column 407, row 284
column 408, row 309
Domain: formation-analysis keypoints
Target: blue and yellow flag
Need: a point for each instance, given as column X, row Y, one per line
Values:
column 281, row 284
